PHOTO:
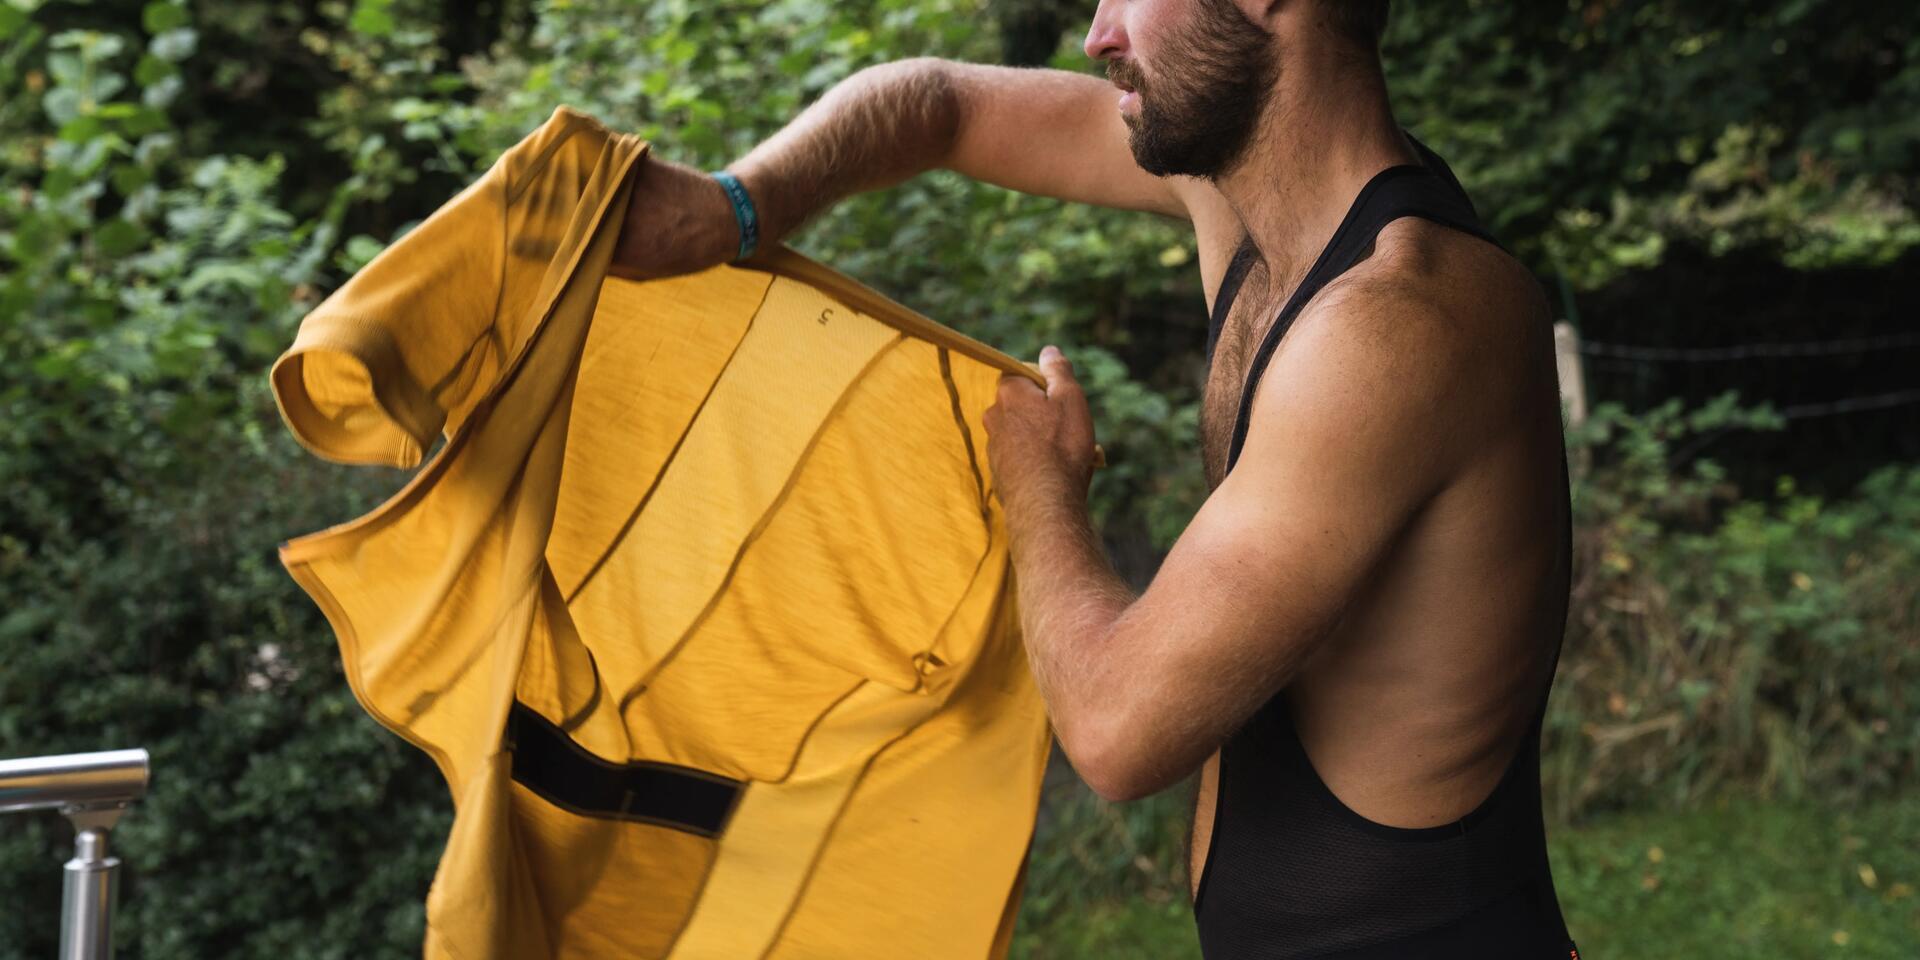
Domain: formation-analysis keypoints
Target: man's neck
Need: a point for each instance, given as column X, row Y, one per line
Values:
column 1326, row 132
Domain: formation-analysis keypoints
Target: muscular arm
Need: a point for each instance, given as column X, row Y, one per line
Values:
column 1041, row 131
column 883, row 125
column 1346, row 445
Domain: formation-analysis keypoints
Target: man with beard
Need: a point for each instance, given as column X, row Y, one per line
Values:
column 1353, row 640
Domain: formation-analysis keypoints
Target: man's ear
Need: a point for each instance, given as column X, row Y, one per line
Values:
column 1269, row 13
column 1275, row 16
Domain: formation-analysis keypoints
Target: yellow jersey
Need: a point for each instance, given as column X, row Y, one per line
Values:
column 703, row 608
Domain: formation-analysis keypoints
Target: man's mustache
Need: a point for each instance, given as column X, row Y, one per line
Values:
column 1122, row 73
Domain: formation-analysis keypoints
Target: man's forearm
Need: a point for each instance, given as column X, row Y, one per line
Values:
column 883, row 125
column 1070, row 599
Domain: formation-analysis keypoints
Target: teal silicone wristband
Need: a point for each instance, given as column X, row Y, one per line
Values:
column 743, row 213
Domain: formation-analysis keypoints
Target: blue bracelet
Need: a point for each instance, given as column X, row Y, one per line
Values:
column 743, row 213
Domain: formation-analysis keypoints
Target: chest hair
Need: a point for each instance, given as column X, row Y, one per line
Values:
column 1248, row 319
column 1252, row 314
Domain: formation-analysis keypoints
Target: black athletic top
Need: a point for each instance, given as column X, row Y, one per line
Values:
column 1292, row 872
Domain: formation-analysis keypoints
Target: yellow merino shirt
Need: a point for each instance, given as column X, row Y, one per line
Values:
column 704, row 607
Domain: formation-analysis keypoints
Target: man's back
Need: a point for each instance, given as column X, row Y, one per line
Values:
column 1415, row 719
column 1426, row 663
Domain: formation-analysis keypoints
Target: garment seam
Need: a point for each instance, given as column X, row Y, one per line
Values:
column 826, row 836
column 570, row 125
column 979, row 564
column 331, row 541
column 349, row 633
column 529, row 588
column 550, row 593
column 753, row 536
column 783, row 261
column 966, row 432
column 659, row 475
column 381, row 388
column 466, row 356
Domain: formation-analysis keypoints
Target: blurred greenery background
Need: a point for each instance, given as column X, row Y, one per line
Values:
column 1731, row 753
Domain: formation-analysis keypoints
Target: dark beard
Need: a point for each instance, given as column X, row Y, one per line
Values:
column 1201, row 113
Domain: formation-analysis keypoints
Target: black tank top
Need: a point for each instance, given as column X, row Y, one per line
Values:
column 1291, row 871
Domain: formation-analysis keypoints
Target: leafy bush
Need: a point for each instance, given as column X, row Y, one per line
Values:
column 1594, row 135
column 1718, row 643
column 144, row 483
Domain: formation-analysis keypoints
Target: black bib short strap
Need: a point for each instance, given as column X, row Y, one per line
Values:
column 1292, row 872
column 1402, row 191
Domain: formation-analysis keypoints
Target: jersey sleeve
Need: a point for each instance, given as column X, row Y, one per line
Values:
column 408, row 346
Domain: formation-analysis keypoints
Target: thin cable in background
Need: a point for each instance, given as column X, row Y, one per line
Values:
column 1878, row 401
column 1749, row 351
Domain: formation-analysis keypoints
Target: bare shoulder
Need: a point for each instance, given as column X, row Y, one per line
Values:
column 1439, row 315
column 1418, row 261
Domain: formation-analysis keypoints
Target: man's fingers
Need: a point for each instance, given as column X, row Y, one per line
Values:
column 1058, row 370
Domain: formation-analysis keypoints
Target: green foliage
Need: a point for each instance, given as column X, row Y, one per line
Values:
column 147, row 608
column 1087, row 850
column 1771, row 645
column 1110, row 930
column 1738, row 879
column 1730, row 202
column 144, row 481
column 1595, row 135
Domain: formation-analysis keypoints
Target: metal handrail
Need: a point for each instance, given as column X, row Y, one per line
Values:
column 92, row 790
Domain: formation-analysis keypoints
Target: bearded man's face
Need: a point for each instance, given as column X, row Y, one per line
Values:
column 1201, row 96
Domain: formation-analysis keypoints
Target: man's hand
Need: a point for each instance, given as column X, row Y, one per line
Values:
column 1041, row 443
column 679, row 221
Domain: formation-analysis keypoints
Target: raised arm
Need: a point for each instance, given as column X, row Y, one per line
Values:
column 1048, row 132
column 1053, row 133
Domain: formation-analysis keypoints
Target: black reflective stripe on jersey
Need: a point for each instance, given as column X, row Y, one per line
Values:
column 562, row 772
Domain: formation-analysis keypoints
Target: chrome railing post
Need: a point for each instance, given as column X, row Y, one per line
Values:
column 92, row 790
